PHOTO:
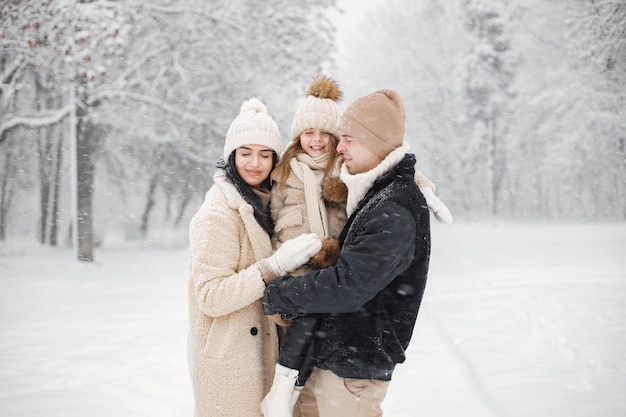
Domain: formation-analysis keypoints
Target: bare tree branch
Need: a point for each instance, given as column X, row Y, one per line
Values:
column 7, row 77
column 35, row 120
column 107, row 94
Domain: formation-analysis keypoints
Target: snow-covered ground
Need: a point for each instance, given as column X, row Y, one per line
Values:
column 518, row 320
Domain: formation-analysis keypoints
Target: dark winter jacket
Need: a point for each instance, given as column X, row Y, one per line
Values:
column 374, row 291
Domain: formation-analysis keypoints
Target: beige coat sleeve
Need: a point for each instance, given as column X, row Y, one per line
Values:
column 218, row 246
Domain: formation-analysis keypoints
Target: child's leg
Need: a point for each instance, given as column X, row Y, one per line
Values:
column 308, row 362
column 297, row 342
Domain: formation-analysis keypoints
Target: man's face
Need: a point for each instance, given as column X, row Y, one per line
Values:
column 356, row 156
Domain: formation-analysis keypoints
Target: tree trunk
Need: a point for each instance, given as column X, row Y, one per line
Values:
column 498, row 164
column 183, row 205
column 6, row 191
column 50, row 145
column 56, row 186
column 43, row 147
column 622, row 151
column 44, row 183
column 85, row 181
column 8, row 179
column 149, row 205
column 89, row 139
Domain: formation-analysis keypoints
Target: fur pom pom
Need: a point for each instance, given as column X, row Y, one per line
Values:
column 327, row 256
column 334, row 191
column 253, row 105
column 324, row 87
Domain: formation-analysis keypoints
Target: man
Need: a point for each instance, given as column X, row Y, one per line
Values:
column 368, row 302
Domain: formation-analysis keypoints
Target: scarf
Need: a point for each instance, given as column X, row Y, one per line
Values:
column 359, row 184
column 311, row 171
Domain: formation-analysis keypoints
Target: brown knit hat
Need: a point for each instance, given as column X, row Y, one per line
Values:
column 377, row 121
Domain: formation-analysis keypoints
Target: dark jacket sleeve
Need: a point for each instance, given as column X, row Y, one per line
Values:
column 381, row 247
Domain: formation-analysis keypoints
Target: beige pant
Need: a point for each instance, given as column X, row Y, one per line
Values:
column 327, row 395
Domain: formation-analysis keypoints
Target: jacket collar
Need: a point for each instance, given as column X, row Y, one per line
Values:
column 359, row 184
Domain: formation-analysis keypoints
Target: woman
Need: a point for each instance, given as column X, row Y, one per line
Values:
column 232, row 346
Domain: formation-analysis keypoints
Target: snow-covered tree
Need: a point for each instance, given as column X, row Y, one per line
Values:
column 596, row 40
column 453, row 64
column 165, row 78
column 557, row 143
column 53, row 46
column 487, row 79
column 597, row 29
column 413, row 48
column 207, row 59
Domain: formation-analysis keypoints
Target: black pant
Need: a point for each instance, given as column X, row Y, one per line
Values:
column 297, row 350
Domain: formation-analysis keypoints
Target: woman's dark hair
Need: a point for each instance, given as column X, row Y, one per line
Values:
column 262, row 215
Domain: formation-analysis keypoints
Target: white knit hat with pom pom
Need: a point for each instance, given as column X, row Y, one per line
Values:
column 319, row 110
column 253, row 126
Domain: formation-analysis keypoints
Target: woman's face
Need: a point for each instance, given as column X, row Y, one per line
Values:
column 254, row 163
column 315, row 142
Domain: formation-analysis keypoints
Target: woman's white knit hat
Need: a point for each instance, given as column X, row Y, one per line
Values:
column 319, row 109
column 253, row 126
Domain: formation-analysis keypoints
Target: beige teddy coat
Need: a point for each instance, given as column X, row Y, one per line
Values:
column 232, row 346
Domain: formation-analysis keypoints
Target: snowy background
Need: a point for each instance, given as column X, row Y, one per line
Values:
column 516, row 110
column 518, row 320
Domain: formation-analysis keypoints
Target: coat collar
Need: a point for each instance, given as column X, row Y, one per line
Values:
column 359, row 184
column 258, row 236
column 233, row 198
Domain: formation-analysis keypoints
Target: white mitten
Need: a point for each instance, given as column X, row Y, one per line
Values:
column 279, row 402
column 294, row 253
column 441, row 212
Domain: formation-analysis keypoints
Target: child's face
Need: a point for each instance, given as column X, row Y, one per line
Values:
column 315, row 142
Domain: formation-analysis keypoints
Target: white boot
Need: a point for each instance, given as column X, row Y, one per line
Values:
column 282, row 397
